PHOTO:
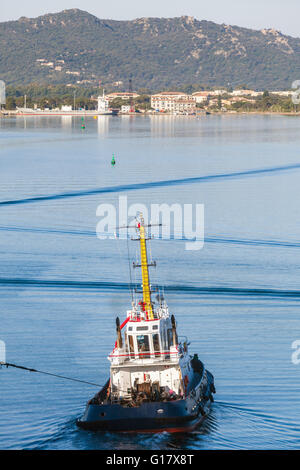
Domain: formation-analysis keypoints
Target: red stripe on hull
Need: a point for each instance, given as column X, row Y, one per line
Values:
column 170, row 430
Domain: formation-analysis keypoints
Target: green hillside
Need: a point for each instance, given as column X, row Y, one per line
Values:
column 156, row 52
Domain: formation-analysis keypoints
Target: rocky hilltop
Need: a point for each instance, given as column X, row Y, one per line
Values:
column 74, row 46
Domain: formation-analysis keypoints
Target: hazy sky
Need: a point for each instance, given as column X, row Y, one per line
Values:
column 280, row 14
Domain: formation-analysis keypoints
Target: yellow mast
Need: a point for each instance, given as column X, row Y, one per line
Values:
column 145, row 271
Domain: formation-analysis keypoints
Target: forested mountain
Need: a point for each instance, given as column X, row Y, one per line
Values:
column 75, row 47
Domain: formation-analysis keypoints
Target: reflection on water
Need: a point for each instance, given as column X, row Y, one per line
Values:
column 164, row 125
column 103, row 125
column 66, row 122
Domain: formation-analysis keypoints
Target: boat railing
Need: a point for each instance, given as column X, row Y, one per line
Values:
column 119, row 356
column 183, row 345
column 143, row 316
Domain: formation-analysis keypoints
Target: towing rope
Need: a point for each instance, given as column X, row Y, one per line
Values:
column 7, row 364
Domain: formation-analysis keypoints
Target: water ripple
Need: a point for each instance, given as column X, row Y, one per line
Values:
column 123, row 286
column 152, row 185
column 208, row 239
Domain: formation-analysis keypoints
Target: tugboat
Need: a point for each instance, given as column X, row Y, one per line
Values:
column 154, row 385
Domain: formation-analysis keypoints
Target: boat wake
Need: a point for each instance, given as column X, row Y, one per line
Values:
column 176, row 288
column 209, row 239
column 211, row 434
column 152, row 185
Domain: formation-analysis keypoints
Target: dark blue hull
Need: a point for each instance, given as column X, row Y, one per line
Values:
column 149, row 417
column 180, row 415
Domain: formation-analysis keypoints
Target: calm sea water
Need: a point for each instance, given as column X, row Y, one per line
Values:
column 237, row 299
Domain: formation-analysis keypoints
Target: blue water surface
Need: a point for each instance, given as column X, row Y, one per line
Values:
column 237, row 299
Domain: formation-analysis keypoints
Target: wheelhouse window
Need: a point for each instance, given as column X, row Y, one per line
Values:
column 131, row 344
column 143, row 346
column 169, row 342
column 170, row 338
column 156, row 346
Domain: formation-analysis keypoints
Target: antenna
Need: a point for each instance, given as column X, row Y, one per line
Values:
column 144, row 265
column 130, row 275
column 147, row 305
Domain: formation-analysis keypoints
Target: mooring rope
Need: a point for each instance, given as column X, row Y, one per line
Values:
column 7, row 364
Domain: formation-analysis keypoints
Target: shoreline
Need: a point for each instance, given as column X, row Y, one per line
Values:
column 7, row 114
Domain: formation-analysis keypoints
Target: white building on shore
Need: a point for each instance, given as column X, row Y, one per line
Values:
column 202, row 96
column 103, row 103
column 174, row 102
column 122, row 95
column 242, row 92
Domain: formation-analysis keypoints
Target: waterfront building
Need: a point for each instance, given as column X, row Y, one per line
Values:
column 174, row 102
column 201, row 96
column 103, row 104
column 125, row 108
column 122, row 95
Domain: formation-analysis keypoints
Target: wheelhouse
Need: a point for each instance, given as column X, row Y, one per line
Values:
column 151, row 339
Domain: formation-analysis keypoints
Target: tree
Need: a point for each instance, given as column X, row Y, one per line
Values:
column 117, row 103
column 219, row 102
column 242, row 87
column 10, row 103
